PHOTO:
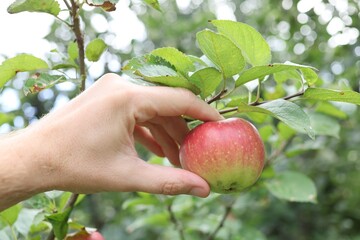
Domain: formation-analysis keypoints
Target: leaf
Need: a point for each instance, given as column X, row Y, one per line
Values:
column 179, row 60
column 324, row 125
column 10, row 215
column 139, row 202
column 221, row 51
column 73, row 50
column 166, row 76
column 286, row 111
column 47, row 6
column 4, row 235
column 59, row 223
column 107, row 5
column 94, row 49
column 292, row 186
column 323, row 94
column 157, row 220
column 148, row 59
column 19, row 63
column 25, row 219
column 254, row 48
column 331, row 110
column 259, row 72
column 6, row 118
column 207, row 80
column 40, row 81
column 154, row 4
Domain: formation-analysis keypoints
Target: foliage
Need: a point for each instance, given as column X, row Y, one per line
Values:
column 234, row 70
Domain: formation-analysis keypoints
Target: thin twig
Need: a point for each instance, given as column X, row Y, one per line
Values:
column 227, row 211
column 234, row 109
column 176, row 223
column 67, row 4
column 217, row 96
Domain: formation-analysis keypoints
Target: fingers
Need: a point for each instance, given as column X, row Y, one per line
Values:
column 169, row 181
column 144, row 137
column 167, row 101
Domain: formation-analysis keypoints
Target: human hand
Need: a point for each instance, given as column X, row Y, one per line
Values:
column 88, row 145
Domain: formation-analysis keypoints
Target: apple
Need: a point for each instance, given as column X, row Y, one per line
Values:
column 85, row 235
column 229, row 154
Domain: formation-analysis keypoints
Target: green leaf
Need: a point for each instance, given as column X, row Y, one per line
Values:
column 259, row 72
column 148, row 59
column 64, row 66
column 10, row 215
column 332, row 95
column 94, row 49
column 6, row 118
column 207, row 80
column 157, row 220
column 254, row 48
column 179, row 60
column 19, row 63
column 154, row 4
column 139, row 202
column 4, row 235
column 331, row 110
column 47, row 6
column 222, row 52
column 292, row 186
column 324, row 125
column 73, row 50
column 41, row 81
column 166, row 76
column 288, row 112
column 59, row 223
column 25, row 219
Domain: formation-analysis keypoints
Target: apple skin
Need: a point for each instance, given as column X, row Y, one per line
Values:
column 83, row 235
column 229, row 154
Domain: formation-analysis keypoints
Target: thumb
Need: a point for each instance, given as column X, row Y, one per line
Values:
column 170, row 181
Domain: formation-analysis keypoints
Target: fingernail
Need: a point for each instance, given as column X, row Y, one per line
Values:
column 199, row 192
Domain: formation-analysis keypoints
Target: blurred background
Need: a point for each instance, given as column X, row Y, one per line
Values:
column 323, row 34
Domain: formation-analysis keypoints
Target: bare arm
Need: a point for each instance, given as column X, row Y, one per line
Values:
column 87, row 145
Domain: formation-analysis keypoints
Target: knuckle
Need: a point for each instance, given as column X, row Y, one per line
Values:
column 172, row 188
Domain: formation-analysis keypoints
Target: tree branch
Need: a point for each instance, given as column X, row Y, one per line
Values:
column 217, row 96
column 228, row 209
column 234, row 109
column 176, row 223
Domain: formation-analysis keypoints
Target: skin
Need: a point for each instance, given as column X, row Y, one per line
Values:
column 87, row 146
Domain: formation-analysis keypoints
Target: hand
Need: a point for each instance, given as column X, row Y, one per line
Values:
column 87, row 145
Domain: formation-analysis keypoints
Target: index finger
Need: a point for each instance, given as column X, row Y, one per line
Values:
column 170, row 102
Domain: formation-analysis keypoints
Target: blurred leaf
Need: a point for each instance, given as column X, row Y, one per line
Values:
column 6, row 118
column 139, row 202
column 53, row 194
column 197, row 62
column 285, row 131
column 288, row 112
column 247, row 233
column 64, row 66
column 331, row 110
column 221, row 51
column 259, row 72
column 207, row 80
column 73, row 50
column 19, row 63
column 179, row 60
column 154, row 4
column 283, row 76
column 265, row 132
column 107, row 5
column 65, row 196
column 59, row 223
column 10, row 215
column 25, row 219
column 156, row 220
column 253, row 46
column 41, row 81
column 292, row 186
column 4, row 235
column 332, row 95
column 324, row 125
column 94, row 49
column 46, row 6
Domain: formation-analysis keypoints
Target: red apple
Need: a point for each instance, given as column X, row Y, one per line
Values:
column 84, row 235
column 229, row 154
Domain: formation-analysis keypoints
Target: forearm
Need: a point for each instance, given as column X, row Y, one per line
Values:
column 19, row 173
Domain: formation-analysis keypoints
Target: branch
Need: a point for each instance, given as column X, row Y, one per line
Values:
column 176, row 223
column 228, row 209
column 67, row 4
column 217, row 96
column 234, row 109
column 79, row 40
